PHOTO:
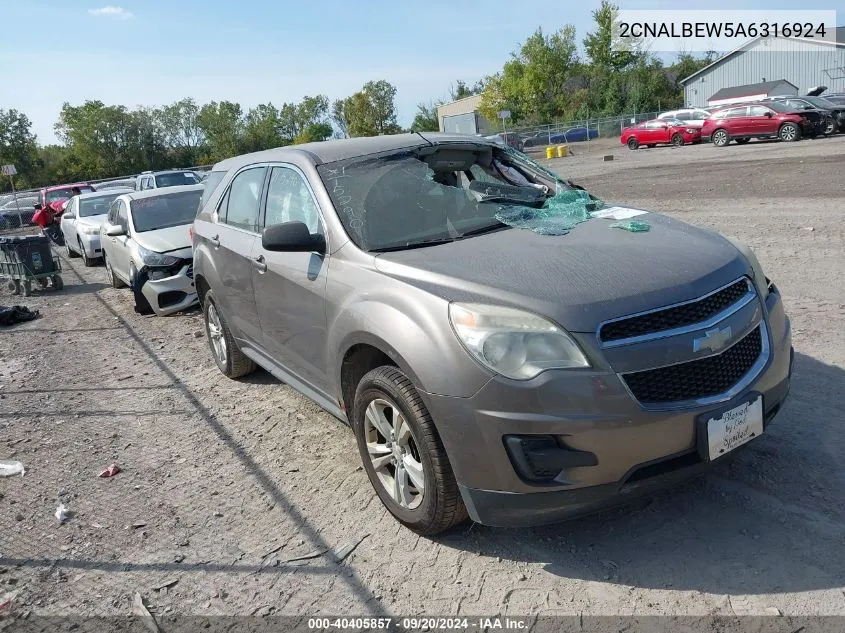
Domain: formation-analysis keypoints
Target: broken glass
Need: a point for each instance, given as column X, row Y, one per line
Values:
column 558, row 215
column 635, row 226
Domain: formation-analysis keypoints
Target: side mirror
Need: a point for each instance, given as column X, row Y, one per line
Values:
column 292, row 237
column 115, row 230
column 38, row 206
column 769, row 114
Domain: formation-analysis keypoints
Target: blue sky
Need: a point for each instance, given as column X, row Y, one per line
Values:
column 153, row 52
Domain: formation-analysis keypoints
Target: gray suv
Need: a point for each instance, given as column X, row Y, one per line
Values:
column 499, row 343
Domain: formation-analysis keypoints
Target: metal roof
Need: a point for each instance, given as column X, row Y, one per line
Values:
column 342, row 149
column 749, row 90
column 840, row 41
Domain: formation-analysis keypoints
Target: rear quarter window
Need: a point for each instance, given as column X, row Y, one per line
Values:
column 209, row 185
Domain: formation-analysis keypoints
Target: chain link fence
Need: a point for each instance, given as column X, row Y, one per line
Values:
column 538, row 137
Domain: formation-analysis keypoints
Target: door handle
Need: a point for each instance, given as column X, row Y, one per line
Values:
column 215, row 241
column 260, row 264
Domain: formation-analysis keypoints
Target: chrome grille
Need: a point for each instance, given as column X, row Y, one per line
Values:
column 676, row 316
column 702, row 378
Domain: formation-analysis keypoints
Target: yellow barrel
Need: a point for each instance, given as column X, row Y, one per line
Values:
column 561, row 151
column 550, row 152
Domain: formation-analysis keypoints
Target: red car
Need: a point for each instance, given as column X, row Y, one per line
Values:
column 59, row 193
column 659, row 132
column 759, row 120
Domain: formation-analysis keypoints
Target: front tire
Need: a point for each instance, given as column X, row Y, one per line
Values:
column 720, row 138
column 677, row 140
column 403, row 455
column 231, row 361
column 113, row 279
column 69, row 251
column 88, row 261
column 142, row 306
column 789, row 132
column 633, row 143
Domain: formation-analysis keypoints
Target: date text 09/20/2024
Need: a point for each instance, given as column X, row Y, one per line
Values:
column 420, row 623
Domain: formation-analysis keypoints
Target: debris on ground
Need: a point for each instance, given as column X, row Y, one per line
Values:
column 140, row 609
column 110, row 471
column 9, row 468
column 139, row 524
column 314, row 554
column 16, row 314
column 167, row 584
column 340, row 553
column 634, row 226
column 62, row 513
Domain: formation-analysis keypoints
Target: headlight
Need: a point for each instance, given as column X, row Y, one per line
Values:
column 90, row 230
column 156, row 259
column 691, row 130
column 514, row 343
column 757, row 274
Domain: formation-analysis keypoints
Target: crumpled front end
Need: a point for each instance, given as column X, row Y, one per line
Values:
column 169, row 289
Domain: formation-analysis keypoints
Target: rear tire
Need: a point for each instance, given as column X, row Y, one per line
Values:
column 789, row 132
column 231, row 361
column 58, row 283
column 633, row 143
column 720, row 138
column 26, row 288
column 400, row 450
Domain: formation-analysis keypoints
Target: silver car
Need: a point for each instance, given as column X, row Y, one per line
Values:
column 81, row 221
column 147, row 246
column 503, row 344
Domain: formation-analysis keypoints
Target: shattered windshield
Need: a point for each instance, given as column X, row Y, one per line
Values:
column 433, row 195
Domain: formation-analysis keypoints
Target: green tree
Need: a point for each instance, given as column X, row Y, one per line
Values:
column 261, row 129
column 182, row 132
column 426, row 119
column 598, row 45
column 17, row 146
column 532, row 84
column 369, row 112
column 315, row 132
column 296, row 118
column 99, row 137
column 222, row 124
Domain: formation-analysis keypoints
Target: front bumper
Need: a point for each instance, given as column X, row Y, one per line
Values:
column 633, row 450
column 170, row 294
column 91, row 244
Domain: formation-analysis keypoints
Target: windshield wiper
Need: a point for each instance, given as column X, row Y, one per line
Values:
column 409, row 245
column 489, row 228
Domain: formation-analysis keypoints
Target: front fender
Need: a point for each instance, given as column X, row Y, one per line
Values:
column 413, row 329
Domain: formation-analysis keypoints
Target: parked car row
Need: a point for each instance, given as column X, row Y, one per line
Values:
column 142, row 237
column 786, row 118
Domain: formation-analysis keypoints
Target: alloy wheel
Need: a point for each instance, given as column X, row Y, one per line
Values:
column 394, row 453
column 215, row 335
column 720, row 138
column 788, row 133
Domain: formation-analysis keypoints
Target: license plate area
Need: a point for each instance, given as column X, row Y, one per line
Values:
column 724, row 430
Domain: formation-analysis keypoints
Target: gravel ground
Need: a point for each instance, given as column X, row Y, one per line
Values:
column 239, row 497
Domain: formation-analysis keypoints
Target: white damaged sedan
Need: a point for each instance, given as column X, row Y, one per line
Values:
column 147, row 246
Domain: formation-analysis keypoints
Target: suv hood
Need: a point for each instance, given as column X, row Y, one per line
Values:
column 164, row 240
column 593, row 274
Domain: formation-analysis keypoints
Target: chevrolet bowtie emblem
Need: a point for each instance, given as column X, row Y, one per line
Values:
column 713, row 340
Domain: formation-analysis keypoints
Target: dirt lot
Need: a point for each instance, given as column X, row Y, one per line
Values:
column 225, row 484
